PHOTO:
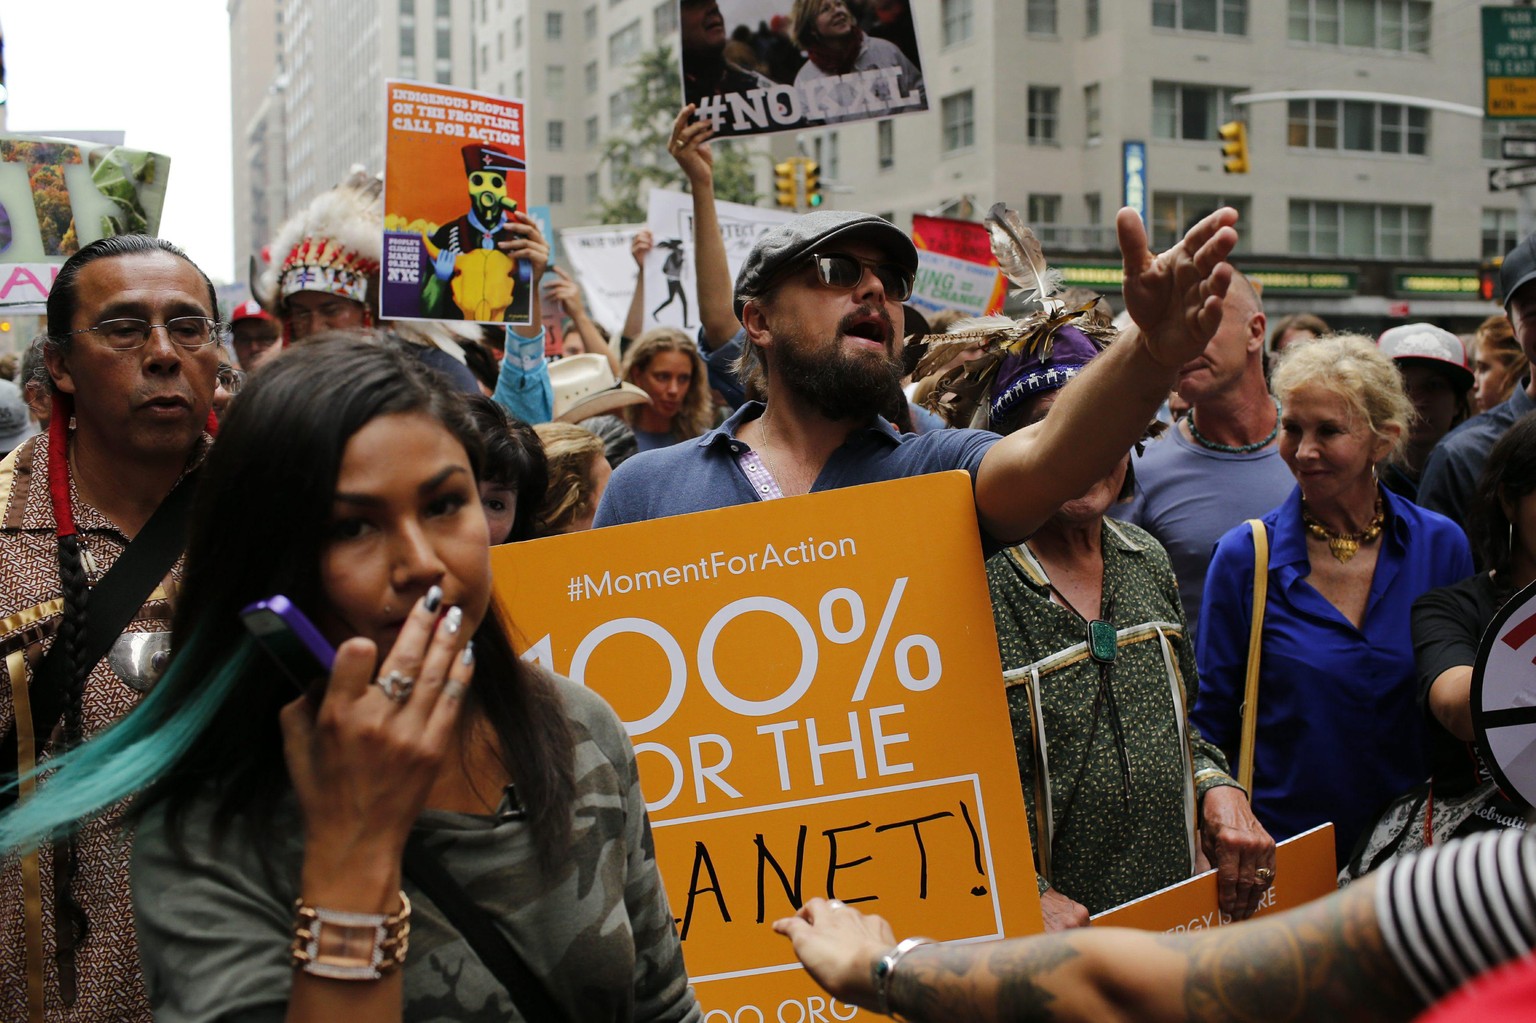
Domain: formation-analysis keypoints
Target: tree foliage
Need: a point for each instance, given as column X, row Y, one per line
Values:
column 638, row 160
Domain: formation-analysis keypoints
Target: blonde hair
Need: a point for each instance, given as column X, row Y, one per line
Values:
column 696, row 416
column 1354, row 368
column 569, row 451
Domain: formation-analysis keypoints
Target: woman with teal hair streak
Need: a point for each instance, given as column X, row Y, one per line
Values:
column 272, row 823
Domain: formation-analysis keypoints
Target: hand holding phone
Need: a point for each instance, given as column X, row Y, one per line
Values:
column 291, row 639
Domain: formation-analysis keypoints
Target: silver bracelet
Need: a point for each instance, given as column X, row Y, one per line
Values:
column 885, row 968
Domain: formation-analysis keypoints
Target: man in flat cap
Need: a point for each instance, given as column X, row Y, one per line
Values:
column 489, row 224
column 820, row 301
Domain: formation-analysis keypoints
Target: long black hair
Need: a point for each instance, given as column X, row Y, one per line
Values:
column 258, row 528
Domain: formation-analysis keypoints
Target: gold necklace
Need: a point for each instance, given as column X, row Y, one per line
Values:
column 1343, row 546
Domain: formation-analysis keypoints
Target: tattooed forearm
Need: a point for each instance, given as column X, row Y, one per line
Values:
column 1323, row 961
column 1010, row 980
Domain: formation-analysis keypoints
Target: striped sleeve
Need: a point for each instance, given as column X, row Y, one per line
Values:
column 1455, row 911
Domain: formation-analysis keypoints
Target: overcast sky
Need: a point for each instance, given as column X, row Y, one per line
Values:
column 158, row 71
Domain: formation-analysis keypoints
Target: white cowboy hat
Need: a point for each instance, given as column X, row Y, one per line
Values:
column 585, row 386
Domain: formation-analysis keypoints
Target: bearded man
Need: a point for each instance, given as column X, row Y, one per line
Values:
column 820, row 300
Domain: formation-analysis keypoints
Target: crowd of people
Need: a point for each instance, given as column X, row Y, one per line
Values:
column 1218, row 626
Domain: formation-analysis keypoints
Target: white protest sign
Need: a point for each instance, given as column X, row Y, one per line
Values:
column 599, row 259
column 671, row 288
column 944, row 282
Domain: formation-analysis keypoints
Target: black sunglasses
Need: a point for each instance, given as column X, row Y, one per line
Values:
column 844, row 272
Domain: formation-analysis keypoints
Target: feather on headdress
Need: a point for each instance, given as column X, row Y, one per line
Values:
column 958, row 396
column 334, row 245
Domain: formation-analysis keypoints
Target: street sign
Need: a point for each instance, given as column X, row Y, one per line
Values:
column 1501, row 179
column 1509, row 62
column 1513, row 147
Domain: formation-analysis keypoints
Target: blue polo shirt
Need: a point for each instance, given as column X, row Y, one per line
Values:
column 702, row 474
column 1339, row 728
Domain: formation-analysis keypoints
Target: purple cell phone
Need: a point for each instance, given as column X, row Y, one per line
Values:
column 291, row 639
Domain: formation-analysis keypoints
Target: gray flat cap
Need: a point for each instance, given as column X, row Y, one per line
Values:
column 792, row 241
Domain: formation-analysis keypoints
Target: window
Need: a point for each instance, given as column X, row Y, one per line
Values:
column 554, row 81
column 501, row 46
column 1040, row 17
column 444, row 43
column 619, row 106
column 517, row 33
column 665, row 17
column 556, row 189
column 624, row 45
column 589, row 22
column 592, row 131
column 1493, row 131
column 517, row 84
column 443, row 9
column 556, row 137
column 1174, row 213
column 1091, row 18
column 1228, row 17
column 1093, row 202
column 594, row 189
column 885, row 144
column 444, row 75
column 554, row 24
column 485, row 57
column 589, row 77
column 1191, row 112
column 957, row 21
column 1092, row 112
column 1395, row 25
column 1358, row 127
column 1500, row 232
column 1044, row 215
column 959, row 117
column 1044, row 105
column 407, row 42
column 834, row 164
column 1360, row 230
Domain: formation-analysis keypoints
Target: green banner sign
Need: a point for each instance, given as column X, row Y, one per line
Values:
column 1434, row 282
column 1509, row 62
column 1286, row 280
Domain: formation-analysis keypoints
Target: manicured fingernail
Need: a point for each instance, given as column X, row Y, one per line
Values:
column 468, row 656
column 452, row 620
column 454, row 688
column 433, row 600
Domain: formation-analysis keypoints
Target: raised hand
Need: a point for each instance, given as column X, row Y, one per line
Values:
column 528, row 245
column 641, row 246
column 567, row 292
column 1175, row 296
column 689, row 146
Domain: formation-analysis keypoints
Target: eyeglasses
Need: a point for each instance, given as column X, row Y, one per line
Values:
column 126, row 334
column 230, row 378
column 844, row 272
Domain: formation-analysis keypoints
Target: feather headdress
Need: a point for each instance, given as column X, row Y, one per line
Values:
column 958, row 396
column 333, row 245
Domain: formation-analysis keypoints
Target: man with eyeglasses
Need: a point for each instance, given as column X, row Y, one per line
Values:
column 92, row 526
column 820, row 300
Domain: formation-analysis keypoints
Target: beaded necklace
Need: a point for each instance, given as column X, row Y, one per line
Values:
column 1235, row 449
column 1344, row 545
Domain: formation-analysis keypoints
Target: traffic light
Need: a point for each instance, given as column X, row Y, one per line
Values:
column 1488, row 280
column 812, row 182
column 785, row 184
column 1234, row 147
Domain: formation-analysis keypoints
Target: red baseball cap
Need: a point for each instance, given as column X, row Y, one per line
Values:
column 249, row 310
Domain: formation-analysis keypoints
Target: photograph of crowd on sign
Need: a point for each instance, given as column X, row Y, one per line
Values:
column 759, row 66
column 455, row 179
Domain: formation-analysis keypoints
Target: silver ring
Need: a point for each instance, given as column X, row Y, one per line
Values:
column 396, row 685
column 837, row 903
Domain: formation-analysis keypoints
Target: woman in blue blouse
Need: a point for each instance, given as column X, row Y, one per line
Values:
column 1339, row 733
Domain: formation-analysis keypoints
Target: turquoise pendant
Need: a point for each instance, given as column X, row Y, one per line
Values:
column 1102, row 641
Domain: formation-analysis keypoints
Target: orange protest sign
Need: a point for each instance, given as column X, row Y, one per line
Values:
column 817, row 710
column 1304, row 870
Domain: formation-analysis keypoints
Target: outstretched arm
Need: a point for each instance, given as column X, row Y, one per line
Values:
column 1325, row 960
column 634, row 320
column 1174, row 299
column 690, row 148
